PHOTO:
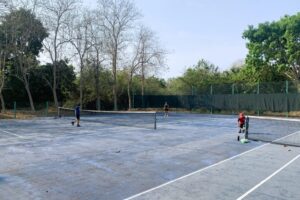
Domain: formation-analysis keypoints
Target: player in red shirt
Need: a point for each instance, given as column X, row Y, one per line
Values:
column 241, row 123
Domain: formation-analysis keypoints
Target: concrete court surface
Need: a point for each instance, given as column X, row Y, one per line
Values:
column 50, row 159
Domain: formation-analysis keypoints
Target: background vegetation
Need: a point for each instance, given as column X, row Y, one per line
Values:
column 104, row 56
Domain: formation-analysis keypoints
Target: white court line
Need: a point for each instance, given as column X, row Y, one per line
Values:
column 275, row 118
column 268, row 178
column 286, row 136
column 16, row 135
column 198, row 171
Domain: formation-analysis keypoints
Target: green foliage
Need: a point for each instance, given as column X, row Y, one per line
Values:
column 23, row 32
column 274, row 49
column 196, row 79
column 21, row 36
column 40, row 77
column 155, row 86
column 175, row 86
column 65, row 79
column 89, row 90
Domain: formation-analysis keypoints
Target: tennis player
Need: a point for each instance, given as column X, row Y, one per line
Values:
column 166, row 109
column 241, row 122
column 77, row 114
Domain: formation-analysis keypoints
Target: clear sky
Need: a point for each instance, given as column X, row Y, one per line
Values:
column 210, row 29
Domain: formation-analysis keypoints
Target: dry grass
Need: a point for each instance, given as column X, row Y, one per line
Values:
column 27, row 114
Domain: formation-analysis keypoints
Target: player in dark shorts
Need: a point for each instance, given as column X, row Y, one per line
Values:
column 77, row 114
column 166, row 109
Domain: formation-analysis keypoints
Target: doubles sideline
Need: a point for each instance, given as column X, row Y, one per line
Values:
column 198, row 171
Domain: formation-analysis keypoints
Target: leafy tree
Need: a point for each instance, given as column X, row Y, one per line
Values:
column 25, row 35
column 65, row 79
column 155, row 86
column 90, row 94
column 274, row 49
column 200, row 76
column 175, row 86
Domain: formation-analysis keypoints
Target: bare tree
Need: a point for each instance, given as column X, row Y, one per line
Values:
column 132, row 69
column 117, row 18
column 2, row 83
column 152, row 56
column 56, row 15
column 97, row 56
column 3, row 67
column 147, row 57
column 80, row 39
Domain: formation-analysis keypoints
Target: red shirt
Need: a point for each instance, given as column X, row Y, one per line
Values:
column 242, row 119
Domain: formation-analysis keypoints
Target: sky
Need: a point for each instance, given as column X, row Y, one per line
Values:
column 191, row 30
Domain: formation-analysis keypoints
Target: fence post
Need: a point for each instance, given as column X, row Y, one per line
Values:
column 258, row 94
column 287, row 102
column 15, row 109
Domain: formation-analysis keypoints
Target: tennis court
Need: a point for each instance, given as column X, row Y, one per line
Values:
column 188, row 156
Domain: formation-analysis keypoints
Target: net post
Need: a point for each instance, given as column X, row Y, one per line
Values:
column 155, row 121
column 247, row 127
column 15, row 110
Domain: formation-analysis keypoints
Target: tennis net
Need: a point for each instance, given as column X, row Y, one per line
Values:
column 143, row 119
column 285, row 131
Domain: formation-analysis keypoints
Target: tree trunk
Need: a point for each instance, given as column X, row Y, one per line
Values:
column 2, row 102
column 81, row 86
column 98, row 103
column 55, row 97
column 129, row 94
column 1, row 95
column 143, row 86
column 29, row 94
column 54, row 85
column 115, row 81
column 143, row 81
